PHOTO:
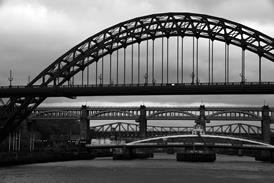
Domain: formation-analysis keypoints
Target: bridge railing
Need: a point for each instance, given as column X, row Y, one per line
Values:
column 148, row 84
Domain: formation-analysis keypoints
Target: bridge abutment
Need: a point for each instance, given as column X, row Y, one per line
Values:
column 142, row 122
column 85, row 136
column 265, row 124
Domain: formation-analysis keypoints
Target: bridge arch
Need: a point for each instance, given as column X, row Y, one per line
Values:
column 203, row 136
column 237, row 114
column 120, row 113
column 151, row 27
column 168, row 112
column 127, row 33
column 56, row 113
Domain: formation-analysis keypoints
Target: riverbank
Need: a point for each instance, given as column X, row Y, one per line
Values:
column 19, row 158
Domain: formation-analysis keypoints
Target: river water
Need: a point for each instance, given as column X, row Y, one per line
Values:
column 162, row 168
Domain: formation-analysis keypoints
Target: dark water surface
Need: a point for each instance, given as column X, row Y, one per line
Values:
column 161, row 169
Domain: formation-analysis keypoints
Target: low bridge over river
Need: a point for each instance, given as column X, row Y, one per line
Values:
column 200, row 115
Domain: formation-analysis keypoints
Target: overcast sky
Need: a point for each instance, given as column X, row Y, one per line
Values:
column 36, row 32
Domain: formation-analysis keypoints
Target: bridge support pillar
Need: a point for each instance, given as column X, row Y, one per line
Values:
column 142, row 122
column 28, row 136
column 84, row 126
column 266, row 134
column 14, row 140
column 202, row 119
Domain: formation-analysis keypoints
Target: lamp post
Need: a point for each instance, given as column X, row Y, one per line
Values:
column 10, row 78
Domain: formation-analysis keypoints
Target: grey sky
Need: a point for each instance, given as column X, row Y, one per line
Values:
column 36, row 32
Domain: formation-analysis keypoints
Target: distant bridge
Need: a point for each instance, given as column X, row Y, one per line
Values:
column 191, row 141
column 200, row 115
column 220, row 113
column 122, row 130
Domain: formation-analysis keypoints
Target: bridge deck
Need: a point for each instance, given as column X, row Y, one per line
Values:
column 141, row 89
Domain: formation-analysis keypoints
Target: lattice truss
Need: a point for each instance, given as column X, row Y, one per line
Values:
column 227, row 129
column 152, row 27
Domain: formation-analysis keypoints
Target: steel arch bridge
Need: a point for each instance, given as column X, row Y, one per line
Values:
column 58, row 79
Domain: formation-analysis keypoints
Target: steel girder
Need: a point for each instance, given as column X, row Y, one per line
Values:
column 237, row 128
column 126, row 33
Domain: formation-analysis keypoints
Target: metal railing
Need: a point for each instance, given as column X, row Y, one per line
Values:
column 147, row 85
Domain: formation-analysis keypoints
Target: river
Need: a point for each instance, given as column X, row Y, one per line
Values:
column 162, row 168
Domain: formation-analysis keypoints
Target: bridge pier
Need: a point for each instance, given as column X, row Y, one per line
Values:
column 265, row 155
column 14, row 140
column 265, row 124
column 19, row 139
column 28, row 136
column 142, row 122
column 85, row 137
column 202, row 119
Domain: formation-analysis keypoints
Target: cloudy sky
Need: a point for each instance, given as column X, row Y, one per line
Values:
column 36, row 32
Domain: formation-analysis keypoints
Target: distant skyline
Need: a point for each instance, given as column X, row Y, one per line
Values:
column 34, row 33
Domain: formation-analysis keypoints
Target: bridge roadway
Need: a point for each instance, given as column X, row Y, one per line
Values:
column 139, row 89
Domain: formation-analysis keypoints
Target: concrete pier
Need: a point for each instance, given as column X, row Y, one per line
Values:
column 143, row 122
column 85, row 136
column 265, row 123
